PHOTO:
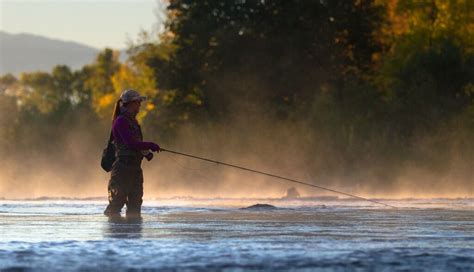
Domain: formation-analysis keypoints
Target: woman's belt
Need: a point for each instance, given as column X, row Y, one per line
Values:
column 130, row 159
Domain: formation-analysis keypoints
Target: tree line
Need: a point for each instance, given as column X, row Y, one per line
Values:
column 376, row 82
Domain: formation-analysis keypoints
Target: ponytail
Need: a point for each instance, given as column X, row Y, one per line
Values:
column 116, row 110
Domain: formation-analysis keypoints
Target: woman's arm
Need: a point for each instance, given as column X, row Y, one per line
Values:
column 121, row 130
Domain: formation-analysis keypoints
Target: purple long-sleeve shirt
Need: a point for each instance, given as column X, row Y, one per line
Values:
column 122, row 134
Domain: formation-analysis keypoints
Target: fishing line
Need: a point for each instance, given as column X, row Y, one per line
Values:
column 274, row 176
column 197, row 173
column 190, row 168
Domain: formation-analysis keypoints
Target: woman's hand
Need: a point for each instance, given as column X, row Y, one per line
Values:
column 149, row 156
column 154, row 147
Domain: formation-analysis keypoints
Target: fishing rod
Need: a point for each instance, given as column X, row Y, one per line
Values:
column 274, row 176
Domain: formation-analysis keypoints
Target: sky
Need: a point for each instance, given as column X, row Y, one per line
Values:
column 97, row 23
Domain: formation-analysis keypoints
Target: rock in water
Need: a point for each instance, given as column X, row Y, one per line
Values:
column 292, row 193
column 260, row 207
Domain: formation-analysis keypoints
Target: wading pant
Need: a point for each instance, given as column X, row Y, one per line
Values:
column 125, row 187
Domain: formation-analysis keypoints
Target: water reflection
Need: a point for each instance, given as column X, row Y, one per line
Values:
column 124, row 227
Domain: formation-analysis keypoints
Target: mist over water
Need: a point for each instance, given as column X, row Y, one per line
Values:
column 290, row 149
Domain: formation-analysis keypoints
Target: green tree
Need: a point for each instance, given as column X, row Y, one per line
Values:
column 99, row 82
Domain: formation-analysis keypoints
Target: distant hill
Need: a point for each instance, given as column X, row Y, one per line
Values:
column 27, row 52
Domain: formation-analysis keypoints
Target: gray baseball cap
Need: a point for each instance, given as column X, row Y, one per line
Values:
column 130, row 95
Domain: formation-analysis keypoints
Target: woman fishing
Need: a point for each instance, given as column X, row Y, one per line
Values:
column 126, row 181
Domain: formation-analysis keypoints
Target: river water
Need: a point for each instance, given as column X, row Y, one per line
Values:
column 215, row 234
